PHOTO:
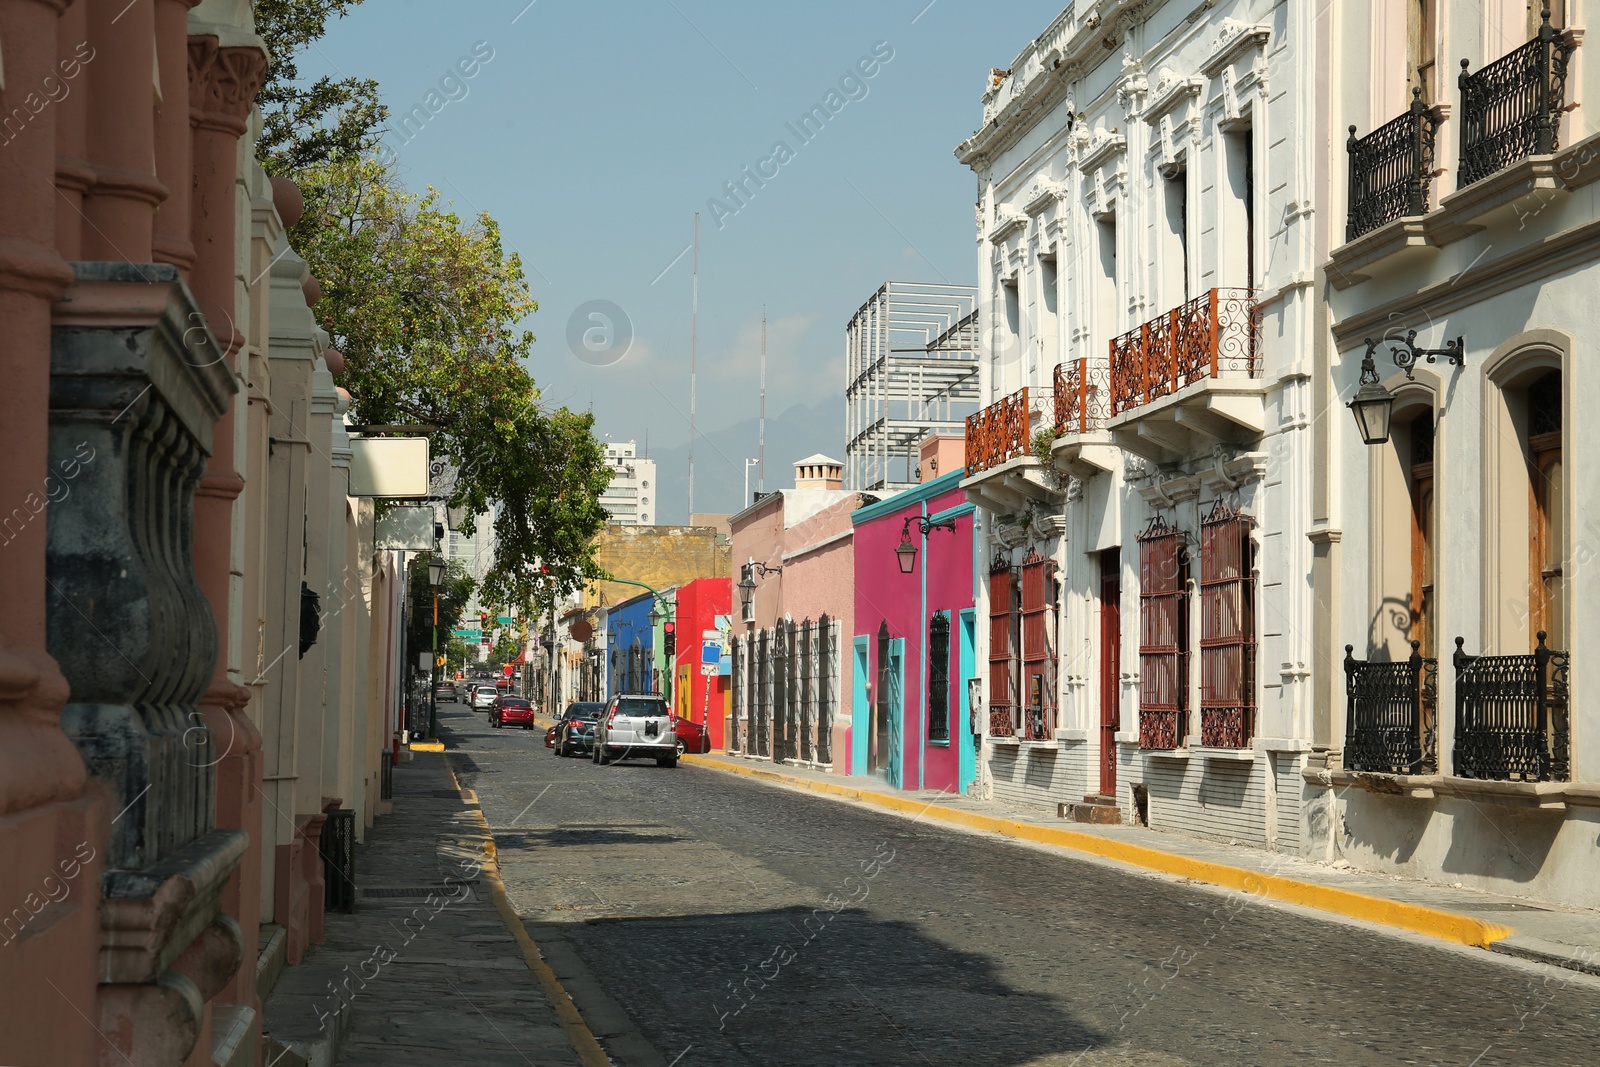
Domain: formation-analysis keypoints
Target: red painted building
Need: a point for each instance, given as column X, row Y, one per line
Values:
column 701, row 605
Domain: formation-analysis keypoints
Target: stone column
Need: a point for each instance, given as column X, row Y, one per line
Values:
column 119, row 206
column 197, row 230
column 52, row 830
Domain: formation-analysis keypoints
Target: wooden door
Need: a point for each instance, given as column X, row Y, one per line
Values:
column 1110, row 666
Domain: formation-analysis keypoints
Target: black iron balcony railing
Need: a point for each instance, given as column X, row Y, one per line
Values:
column 1511, row 716
column 1391, row 722
column 1512, row 108
column 1391, row 169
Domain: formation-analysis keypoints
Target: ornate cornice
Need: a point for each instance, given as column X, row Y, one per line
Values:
column 223, row 83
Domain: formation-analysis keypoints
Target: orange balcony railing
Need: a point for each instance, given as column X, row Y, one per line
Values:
column 1214, row 335
column 1083, row 396
column 998, row 433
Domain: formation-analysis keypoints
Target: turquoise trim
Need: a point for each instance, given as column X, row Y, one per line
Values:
column 967, row 759
column 860, row 712
column 905, row 498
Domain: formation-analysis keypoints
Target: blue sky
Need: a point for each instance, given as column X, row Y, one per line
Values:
column 598, row 129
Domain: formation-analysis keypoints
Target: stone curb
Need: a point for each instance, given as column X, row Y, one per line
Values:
column 1430, row 922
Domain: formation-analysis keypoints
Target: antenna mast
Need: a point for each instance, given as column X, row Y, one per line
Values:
column 761, row 444
column 694, row 338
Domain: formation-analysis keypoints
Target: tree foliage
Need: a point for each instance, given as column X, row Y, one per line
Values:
column 306, row 125
column 426, row 309
column 454, row 593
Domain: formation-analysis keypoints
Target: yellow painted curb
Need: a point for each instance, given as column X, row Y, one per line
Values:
column 427, row 746
column 1444, row 925
column 578, row 1032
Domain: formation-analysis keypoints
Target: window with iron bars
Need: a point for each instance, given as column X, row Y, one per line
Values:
column 1039, row 717
column 1227, row 629
column 1163, row 637
column 1003, row 675
column 939, row 676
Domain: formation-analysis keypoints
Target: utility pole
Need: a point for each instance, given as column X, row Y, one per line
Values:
column 694, row 340
column 761, row 444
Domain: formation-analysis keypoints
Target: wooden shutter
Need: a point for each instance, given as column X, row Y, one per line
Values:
column 1163, row 637
column 1038, row 696
column 1227, row 629
column 1002, row 652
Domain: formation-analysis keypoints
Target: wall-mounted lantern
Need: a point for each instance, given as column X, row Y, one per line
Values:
column 906, row 551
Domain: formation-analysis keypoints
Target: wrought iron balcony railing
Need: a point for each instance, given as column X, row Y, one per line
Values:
column 1083, row 396
column 1511, row 716
column 1391, row 722
column 1391, row 169
column 1512, row 108
column 1214, row 335
column 998, row 433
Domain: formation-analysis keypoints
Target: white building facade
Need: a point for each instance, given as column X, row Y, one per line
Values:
column 629, row 499
column 1187, row 257
column 1147, row 269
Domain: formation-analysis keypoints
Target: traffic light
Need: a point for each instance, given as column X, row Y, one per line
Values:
column 669, row 636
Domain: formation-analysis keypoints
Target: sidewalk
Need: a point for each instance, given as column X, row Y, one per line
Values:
column 433, row 966
column 1546, row 933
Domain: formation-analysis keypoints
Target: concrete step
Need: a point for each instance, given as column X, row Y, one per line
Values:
column 231, row 1025
column 305, row 1019
column 271, row 953
column 1097, row 809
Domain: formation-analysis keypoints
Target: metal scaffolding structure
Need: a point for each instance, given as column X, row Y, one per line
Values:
column 911, row 359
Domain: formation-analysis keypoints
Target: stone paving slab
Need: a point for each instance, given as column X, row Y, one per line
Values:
column 430, row 977
column 1542, row 931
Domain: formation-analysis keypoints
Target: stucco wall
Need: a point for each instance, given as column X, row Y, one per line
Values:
column 659, row 556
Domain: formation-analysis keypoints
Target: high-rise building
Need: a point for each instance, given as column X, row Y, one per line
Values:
column 628, row 498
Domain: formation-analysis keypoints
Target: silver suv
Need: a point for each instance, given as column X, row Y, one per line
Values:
column 636, row 725
column 482, row 696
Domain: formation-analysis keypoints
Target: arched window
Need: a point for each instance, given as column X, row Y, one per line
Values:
column 1420, row 479
column 1548, row 514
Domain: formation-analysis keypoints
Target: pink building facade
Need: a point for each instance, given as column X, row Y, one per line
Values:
column 793, row 602
column 913, row 648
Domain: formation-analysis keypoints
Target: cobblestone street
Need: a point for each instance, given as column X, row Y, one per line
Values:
column 721, row 921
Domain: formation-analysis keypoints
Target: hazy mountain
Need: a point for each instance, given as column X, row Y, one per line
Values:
column 719, row 459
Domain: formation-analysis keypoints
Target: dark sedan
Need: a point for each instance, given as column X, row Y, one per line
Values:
column 574, row 733
column 693, row 737
column 511, row 711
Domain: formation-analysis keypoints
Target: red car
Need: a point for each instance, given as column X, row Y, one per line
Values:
column 692, row 737
column 511, row 711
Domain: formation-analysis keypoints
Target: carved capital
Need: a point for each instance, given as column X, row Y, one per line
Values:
column 223, row 83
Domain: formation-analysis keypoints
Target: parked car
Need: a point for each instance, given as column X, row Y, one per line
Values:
column 511, row 711
column 445, row 693
column 573, row 734
column 481, row 697
column 636, row 725
column 693, row 737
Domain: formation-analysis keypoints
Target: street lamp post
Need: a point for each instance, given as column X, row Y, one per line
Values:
column 435, row 576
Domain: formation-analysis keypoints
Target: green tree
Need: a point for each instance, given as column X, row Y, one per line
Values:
column 305, row 125
column 427, row 310
column 507, row 646
column 458, row 654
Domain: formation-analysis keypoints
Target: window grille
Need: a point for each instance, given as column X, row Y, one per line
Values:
column 939, row 676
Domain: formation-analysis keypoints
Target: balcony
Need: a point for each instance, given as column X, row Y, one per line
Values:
column 1003, row 472
column 1391, row 169
column 1511, row 716
column 1511, row 109
column 1082, row 447
column 1189, row 379
column 1391, row 721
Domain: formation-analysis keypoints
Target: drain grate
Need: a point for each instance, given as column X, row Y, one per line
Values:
column 449, row 889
